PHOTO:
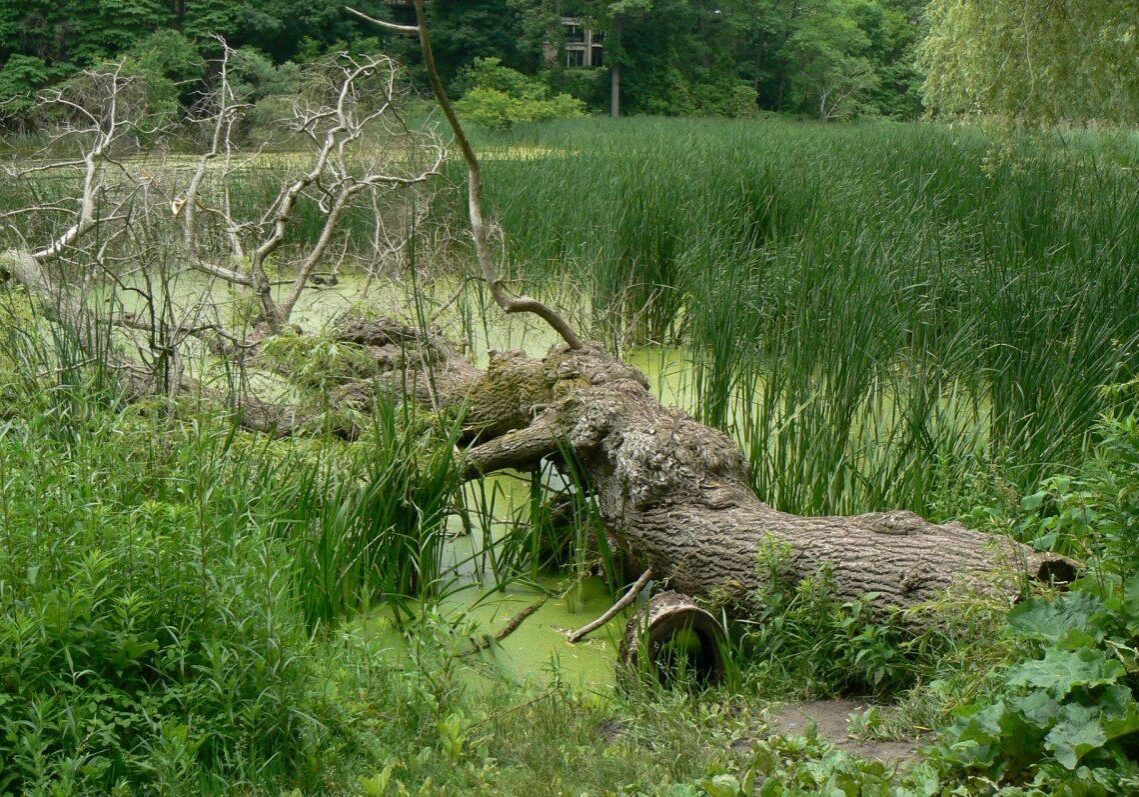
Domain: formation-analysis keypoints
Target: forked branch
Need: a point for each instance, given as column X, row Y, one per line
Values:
column 356, row 94
column 509, row 304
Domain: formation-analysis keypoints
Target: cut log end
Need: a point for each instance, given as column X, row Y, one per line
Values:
column 673, row 639
column 1057, row 571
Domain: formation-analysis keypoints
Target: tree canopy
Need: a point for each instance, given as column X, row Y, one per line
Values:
column 1042, row 60
column 826, row 59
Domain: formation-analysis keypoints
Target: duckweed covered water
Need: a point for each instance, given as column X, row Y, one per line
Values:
column 538, row 651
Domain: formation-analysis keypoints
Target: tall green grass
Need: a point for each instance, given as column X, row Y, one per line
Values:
column 880, row 313
column 883, row 315
column 374, row 523
column 162, row 576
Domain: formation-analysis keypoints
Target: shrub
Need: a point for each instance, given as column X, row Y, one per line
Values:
column 806, row 636
column 148, row 636
column 168, row 64
column 500, row 97
column 1067, row 715
column 1093, row 513
column 728, row 98
column 589, row 84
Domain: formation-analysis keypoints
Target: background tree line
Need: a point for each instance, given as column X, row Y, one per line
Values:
column 826, row 59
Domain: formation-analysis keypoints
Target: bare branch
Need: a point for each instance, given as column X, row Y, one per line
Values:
column 118, row 213
column 520, row 304
column 613, row 610
column 406, row 29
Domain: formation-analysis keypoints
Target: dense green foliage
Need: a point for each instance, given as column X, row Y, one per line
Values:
column 141, row 637
column 824, row 58
column 499, row 98
column 1065, row 717
column 1037, row 60
column 827, row 58
column 1073, row 705
column 160, row 579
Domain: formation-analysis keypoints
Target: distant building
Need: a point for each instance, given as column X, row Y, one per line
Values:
column 581, row 46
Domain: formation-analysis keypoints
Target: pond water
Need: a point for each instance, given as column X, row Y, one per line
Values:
column 538, row 649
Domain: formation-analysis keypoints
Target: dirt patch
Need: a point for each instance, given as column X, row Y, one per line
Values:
column 832, row 717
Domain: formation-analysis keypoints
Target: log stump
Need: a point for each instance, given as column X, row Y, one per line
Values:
column 672, row 638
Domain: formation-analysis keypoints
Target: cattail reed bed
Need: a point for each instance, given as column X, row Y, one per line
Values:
column 883, row 313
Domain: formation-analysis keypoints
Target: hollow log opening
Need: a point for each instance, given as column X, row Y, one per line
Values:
column 674, row 640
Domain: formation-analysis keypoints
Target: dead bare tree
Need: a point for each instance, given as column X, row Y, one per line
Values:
column 479, row 230
column 350, row 100
column 357, row 151
column 92, row 124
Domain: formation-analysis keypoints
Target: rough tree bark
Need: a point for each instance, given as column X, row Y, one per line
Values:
column 675, row 494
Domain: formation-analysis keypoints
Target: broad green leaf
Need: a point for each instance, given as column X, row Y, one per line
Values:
column 925, row 780
column 1037, row 618
column 721, row 786
column 1077, row 639
column 1038, row 708
column 772, row 788
column 1120, row 711
column 1077, row 733
column 1060, row 671
column 983, row 727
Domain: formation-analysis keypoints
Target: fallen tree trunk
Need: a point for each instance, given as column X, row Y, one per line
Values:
column 676, row 496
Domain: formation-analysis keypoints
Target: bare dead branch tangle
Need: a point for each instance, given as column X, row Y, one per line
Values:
column 140, row 219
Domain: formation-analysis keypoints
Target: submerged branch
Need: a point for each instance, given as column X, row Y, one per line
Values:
column 512, row 626
column 615, row 609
